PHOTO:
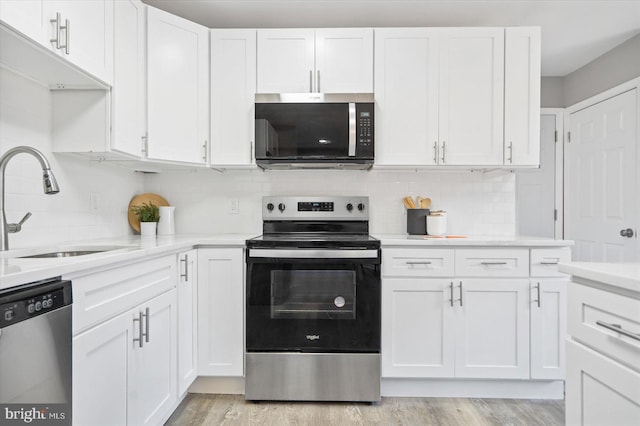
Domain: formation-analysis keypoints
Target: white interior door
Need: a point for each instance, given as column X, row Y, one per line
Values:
column 536, row 188
column 601, row 189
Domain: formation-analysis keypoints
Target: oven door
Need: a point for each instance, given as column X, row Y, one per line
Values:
column 313, row 300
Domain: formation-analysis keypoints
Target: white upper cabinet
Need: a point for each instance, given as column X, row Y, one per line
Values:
column 406, row 92
column 471, row 96
column 177, row 89
column 128, row 95
column 522, row 96
column 80, row 31
column 233, row 88
column 441, row 96
column 305, row 60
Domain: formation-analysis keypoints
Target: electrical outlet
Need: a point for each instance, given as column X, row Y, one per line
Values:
column 234, row 206
column 94, row 202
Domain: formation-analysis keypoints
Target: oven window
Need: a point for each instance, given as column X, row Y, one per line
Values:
column 313, row 294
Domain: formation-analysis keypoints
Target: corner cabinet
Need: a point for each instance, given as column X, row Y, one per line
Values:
column 233, row 88
column 80, row 31
column 221, row 312
column 440, row 96
column 177, row 89
column 469, row 313
column 330, row 60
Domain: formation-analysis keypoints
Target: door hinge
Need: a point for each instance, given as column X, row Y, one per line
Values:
column 555, row 136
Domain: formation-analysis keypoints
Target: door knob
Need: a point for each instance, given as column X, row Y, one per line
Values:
column 626, row 232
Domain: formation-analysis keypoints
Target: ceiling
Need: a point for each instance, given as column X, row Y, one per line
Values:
column 573, row 32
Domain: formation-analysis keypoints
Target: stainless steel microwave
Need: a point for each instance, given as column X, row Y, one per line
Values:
column 314, row 130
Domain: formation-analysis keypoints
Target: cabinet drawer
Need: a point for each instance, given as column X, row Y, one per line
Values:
column 102, row 295
column 592, row 310
column 417, row 263
column 492, row 263
column 544, row 262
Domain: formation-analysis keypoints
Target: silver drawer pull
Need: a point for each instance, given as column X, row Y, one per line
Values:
column 493, row 263
column 550, row 262
column 413, row 262
column 618, row 329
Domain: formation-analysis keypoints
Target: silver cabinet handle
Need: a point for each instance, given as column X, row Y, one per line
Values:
column 66, row 36
column 204, row 155
column 144, row 145
column 444, row 148
column 492, row 263
column 451, row 293
column 138, row 339
column 318, row 81
column 251, row 152
column 460, row 293
column 146, row 327
column 57, row 22
column 618, row 329
column 435, row 152
column 186, row 268
column 415, row 262
column 510, row 159
column 538, row 300
column 310, row 81
column 550, row 262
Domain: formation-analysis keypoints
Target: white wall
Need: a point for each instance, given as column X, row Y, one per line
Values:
column 477, row 203
column 25, row 119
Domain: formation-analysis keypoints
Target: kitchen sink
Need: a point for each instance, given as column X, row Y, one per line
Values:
column 71, row 253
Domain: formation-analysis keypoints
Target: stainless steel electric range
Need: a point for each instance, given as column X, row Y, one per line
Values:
column 313, row 302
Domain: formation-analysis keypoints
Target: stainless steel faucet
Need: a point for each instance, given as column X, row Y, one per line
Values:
column 49, row 184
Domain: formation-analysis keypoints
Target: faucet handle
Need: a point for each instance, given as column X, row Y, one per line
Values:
column 17, row 227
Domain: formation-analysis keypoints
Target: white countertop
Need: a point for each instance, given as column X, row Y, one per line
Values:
column 622, row 275
column 16, row 271
column 471, row 240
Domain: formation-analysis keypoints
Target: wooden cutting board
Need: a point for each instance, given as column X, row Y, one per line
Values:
column 138, row 200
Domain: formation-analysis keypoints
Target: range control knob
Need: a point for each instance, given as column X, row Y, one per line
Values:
column 361, row 206
column 349, row 207
column 281, row 207
column 270, row 207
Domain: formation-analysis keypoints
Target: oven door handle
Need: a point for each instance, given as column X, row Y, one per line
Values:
column 313, row 254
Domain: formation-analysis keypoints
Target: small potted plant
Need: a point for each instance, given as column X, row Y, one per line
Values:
column 149, row 214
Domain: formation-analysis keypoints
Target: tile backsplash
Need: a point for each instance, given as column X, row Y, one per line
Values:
column 477, row 203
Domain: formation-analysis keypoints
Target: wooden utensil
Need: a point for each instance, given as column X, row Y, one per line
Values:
column 425, row 203
column 408, row 202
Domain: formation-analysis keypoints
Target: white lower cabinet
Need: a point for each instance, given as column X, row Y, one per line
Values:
column 187, row 319
column 441, row 321
column 221, row 312
column 124, row 370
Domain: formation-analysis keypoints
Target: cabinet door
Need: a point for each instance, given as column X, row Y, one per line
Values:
column 548, row 329
column 522, row 96
column 471, row 96
column 100, row 364
column 27, row 16
column 233, row 88
column 599, row 390
column 406, row 92
column 344, row 60
column 492, row 328
column 152, row 372
column 128, row 78
column 220, row 312
column 286, row 61
column 187, row 320
column 89, row 36
column 178, row 88
column 417, row 328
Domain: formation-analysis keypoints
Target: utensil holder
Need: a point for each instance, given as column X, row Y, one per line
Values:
column 417, row 221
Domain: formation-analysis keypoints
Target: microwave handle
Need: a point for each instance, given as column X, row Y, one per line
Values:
column 352, row 129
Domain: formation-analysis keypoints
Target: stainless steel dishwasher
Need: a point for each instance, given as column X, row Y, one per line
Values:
column 35, row 352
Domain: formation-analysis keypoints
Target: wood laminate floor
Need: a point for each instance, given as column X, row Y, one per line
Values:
column 207, row 409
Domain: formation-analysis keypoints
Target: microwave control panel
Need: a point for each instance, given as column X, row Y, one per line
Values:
column 364, row 113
